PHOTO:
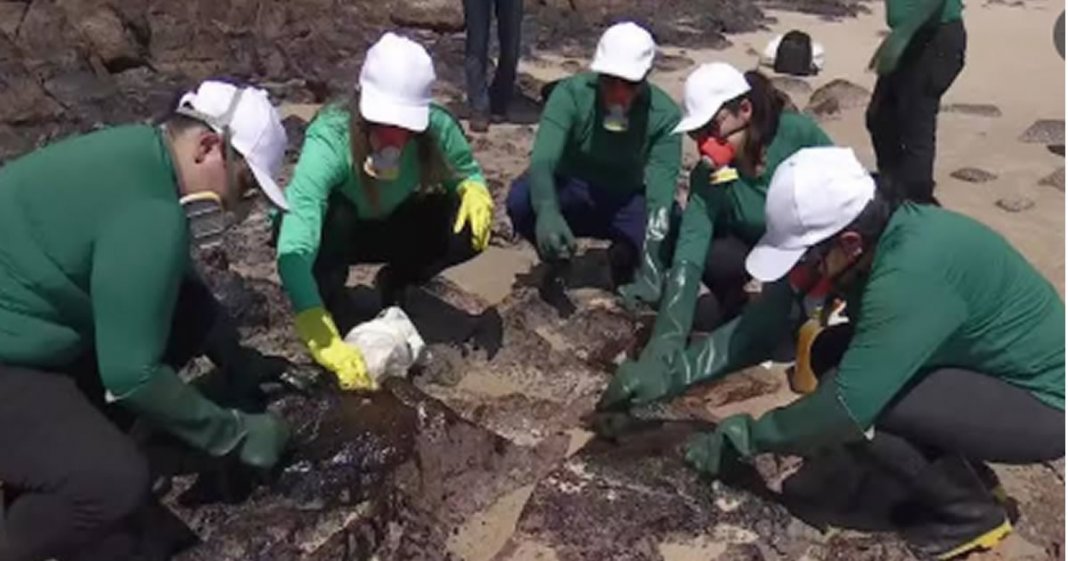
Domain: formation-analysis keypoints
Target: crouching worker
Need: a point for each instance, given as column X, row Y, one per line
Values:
column 97, row 289
column 743, row 131
column 955, row 356
column 389, row 178
column 605, row 162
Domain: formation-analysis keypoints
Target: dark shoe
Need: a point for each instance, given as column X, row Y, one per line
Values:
column 391, row 288
column 498, row 118
column 622, row 262
column 954, row 512
column 479, row 123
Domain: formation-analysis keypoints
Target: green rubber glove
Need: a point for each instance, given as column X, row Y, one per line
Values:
column 555, row 240
column 675, row 317
column 172, row 405
column 803, row 427
column 648, row 281
column 666, row 368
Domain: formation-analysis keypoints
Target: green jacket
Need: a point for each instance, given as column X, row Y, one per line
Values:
column 572, row 142
column 325, row 167
column 919, row 13
column 95, row 245
column 738, row 207
column 968, row 301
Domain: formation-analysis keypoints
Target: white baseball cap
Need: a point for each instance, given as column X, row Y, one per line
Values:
column 625, row 50
column 395, row 83
column 253, row 125
column 707, row 89
column 813, row 195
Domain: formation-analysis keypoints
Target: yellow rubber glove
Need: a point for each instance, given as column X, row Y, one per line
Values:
column 476, row 209
column 316, row 328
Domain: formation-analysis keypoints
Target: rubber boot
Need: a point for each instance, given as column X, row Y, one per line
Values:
column 959, row 515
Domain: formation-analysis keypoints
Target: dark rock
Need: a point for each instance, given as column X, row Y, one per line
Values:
column 1055, row 180
column 1017, row 203
column 1057, row 149
column 835, row 9
column 672, row 63
column 295, row 127
column 973, row 175
column 11, row 17
column 835, row 97
column 111, row 40
column 1046, row 131
column 436, row 15
column 977, row 109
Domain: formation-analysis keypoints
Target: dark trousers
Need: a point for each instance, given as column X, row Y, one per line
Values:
column 476, row 50
column 416, row 241
column 590, row 211
column 77, row 479
column 725, row 276
column 903, row 113
column 957, row 411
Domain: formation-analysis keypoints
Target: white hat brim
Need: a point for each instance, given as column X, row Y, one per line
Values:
column 694, row 121
column 767, row 263
column 626, row 72
column 269, row 186
column 378, row 108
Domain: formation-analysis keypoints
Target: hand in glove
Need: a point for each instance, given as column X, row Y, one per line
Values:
column 316, row 328
column 637, row 382
column 476, row 209
column 172, row 405
column 648, row 282
column 555, row 240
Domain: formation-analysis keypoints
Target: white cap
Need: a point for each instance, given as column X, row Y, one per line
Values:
column 255, row 128
column 707, row 89
column 625, row 50
column 395, row 83
column 813, row 195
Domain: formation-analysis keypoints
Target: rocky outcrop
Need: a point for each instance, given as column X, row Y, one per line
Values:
column 973, row 175
column 836, row 97
column 1045, row 131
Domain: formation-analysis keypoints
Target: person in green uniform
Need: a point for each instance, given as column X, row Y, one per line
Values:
column 743, row 132
column 390, row 178
column 605, row 162
column 916, row 63
column 99, row 302
column 953, row 354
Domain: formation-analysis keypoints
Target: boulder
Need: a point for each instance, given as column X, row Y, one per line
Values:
column 111, row 40
column 835, row 97
column 975, row 109
column 973, row 175
column 1015, row 203
column 1045, row 131
column 1055, row 180
column 443, row 16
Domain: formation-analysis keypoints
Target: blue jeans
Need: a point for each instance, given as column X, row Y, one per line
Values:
column 476, row 51
column 590, row 211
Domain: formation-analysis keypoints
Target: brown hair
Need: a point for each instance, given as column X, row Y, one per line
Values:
column 434, row 169
column 768, row 104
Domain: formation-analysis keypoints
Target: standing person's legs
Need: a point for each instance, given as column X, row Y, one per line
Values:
column 938, row 59
column 881, row 120
column 76, row 476
column 509, row 31
column 476, row 47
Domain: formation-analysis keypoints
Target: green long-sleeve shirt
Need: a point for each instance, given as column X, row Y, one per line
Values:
column 738, row 207
column 968, row 301
column 918, row 12
column 325, row 167
column 93, row 247
column 572, row 141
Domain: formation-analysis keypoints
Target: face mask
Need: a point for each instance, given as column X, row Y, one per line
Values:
column 718, row 154
column 387, row 143
column 208, row 220
column 811, row 288
column 617, row 98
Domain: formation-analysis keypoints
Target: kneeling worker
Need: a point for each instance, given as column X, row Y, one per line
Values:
column 97, row 289
column 954, row 357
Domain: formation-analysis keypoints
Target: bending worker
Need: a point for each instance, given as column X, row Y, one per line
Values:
column 967, row 370
column 97, row 289
column 743, row 132
column 390, row 178
column 605, row 161
column 916, row 63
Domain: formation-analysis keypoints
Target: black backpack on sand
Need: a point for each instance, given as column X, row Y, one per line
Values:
column 794, row 55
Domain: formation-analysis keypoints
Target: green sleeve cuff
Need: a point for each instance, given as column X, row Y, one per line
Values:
column 295, row 270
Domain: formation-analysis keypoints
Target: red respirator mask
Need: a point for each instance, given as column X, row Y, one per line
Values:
column 717, row 151
column 387, row 144
column 618, row 96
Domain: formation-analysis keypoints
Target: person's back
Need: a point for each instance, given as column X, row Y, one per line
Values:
column 46, row 258
column 1006, row 320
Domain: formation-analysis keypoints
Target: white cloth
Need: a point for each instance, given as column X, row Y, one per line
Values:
column 390, row 344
